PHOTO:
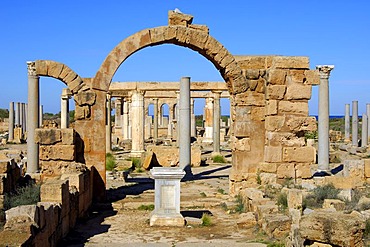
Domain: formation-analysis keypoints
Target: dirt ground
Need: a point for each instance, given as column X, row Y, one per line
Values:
column 119, row 222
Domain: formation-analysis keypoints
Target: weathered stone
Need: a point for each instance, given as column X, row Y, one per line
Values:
column 253, row 204
column 68, row 136
column 82, row 112
column 251, row 194
column 247, row 220
column 150, row 161
column 296, row 76
column 267, row 167
column 300, row 108
column 54, row 69
column 57, row 152
column 275, row 92
column 264, row 210
column 334, row 203
column 286, row 170
column 276, row 76
column 273, row 154
column 85, row 98
column 252, row 74
column 271, row 107
column 5, row 166
column 250, row 98
column 298, row 124
column 175, row 18
column 291, row 62
column 48, row 136
column 284, row 138
column 295, row 199
column 303, row 170
column 298, row 91
column 274, row 123
column 299, row 154
column 242, row 144
column 333, row 228
column 276, row 226
column 312, row 77
column 198, row 27
column 354, row 169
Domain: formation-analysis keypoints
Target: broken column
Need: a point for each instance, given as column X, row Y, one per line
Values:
column 138, row 120
column 64, row 108
column 347, row 124
column 33, row 118
column 355, row 123
column 108, row 126
column 155, row 125
column 11, row 122
column 323, row 128
column 364, row 131
column 216, row 122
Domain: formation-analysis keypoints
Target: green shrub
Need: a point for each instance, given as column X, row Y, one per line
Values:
column 311, row 135
column 136, row 162
column 149, row 207
column 367, row 229
column 316, row 198
column 282, row 201
column 258, row 178
column 218, row 159
column 206, row 220
column 110, row 162
column 221, row 191
column 27, row 195
column 240, row 207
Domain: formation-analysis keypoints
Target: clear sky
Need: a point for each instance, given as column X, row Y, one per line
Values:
column 80, row 34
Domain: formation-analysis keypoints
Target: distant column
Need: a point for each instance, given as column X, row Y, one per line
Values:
column 170, row 121
column 208, row 123
column 155, row 125
column 64, row 108
column 193, row 129
column 184, row 123
column 138, row 120
column 24, row 118
column 33, row 118
column 118, row 106
column 177, row 118
column 368, row 122
column 11, row 122
column 21, row 117
column 17, row 114
column 125, row 119
column 347, row 124
column 323, row 128
column 108, row 126
column 41, row 115
column 216, row 122
column 364, row 140
column 355, row 123
column 129, row 128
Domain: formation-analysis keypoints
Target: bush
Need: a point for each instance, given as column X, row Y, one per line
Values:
column 149, row 207
column 206, row 220
column 136, row 162
column 319, row 194
column 26, row 195
column 218, row 159
column 282, row 201
column 110, row 162
column 367, row 229
column 240, row 207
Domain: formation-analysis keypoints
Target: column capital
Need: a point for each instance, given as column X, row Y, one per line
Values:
column 324, row 70
column 216, row 94
column 109, row 96
column 31, row 67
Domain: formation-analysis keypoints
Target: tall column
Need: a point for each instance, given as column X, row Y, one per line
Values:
column 33, row 119
column 129, row 128
column 193, row 128
column 347, row 124
column 155, row 126
column 17, row 114
column 108, row 126
column 208, row 123
column 24, row 118
column 21, row 117
column 368, row 122
column 64, row 108
column 364, row 139
column 11, row 122
column 41, row 115
column 355, row 123
column 216, row 122
column 118, row 106
column 323, row 140
column 170, row 121
column 184, row 123
column 125, row 119
column 178, row 118
column 138, row 120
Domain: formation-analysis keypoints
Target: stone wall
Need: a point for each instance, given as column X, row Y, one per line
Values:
column 270, row 119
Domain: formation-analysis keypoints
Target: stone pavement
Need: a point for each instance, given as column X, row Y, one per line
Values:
column 119, row 222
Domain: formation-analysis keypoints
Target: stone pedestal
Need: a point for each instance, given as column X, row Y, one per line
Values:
column 167, row 196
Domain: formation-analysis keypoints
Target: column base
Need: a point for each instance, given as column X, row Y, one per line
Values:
column 167, row 220
column 137, row 154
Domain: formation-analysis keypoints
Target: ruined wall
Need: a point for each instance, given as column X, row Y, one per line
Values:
column 270, row 119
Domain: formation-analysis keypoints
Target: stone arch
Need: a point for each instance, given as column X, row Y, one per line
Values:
column 195, row 39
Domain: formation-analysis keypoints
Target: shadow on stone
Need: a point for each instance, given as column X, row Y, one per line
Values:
column 195, row 213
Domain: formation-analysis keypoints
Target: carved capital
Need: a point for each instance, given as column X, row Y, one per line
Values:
column 324, row 70
column 31, row 67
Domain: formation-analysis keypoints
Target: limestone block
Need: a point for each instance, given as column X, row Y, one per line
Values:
column 335, row 228
column 56, row 191
column 212, row 47
column 199, row 39
column 274, row 123
column 41, row 67
column 264, row 210
column 276, row 226
column 296, row 76
column 252, row 74
column 275, row 91
column 251, row 194
column 284, row 139
column 4, row 188
column 298, row 124
column 85, row 98
column 241, row 163
column 30, row 211
column 54, row 69
column 75, row 179
column 68, row 136
column 286, row 170
column 304, row 170
column 271, row 107
column 354, row 169
column 258, row 113
column 250, row 98
column 47, row 136
column 318, row 244
column 175, row 18
column 57, row 152
column 299, row 154
column 253, row 204
column 253, row 62
column 267, row 167
column 343, row 182
column 261, row 85
column 312, row 77
column 82, row 112
column 240, row 144
column 198, row 27
column 298, row 91
column 268, row 178
column 291, row 62
column 247, row 220
column 273, row 154
column 300, row 108
column 76, row 85
column 334, row 203
column 295, row 199
column 276, row 76
column 169, row 156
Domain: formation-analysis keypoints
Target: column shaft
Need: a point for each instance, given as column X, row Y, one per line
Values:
column 216, row 122
column 17, row 114
column 347, row 124
column 108, row 127
column 364, row 139
column 368, row 122
column 138, row 120
column 64, row 109
column 11, row 122
column 184, row 123
column 125, row 119
column 355, row 123
column 155, row 126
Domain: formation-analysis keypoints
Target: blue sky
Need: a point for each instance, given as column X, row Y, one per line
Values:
column 81, row 33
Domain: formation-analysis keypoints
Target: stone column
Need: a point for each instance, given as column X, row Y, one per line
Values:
column 208, row 123
column 21, row 117
column 129, row 127
column 11, row 122
column 41, row 115
column 138, row 120
column 33, row 119
column 193, row 129
column 108, row 126
column 347, row 124
column 125, row 119
column 364, row 139
column 368, row 122
column 178, row 117
column 64, row 108
column 155, row 126
column 323, row 128
column 17, row 114
column 216, row 122
column 355, row 123
column 184, row 124
column 170, row 121
column 24, row 118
